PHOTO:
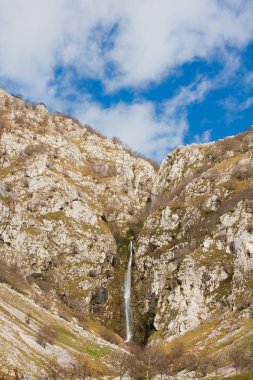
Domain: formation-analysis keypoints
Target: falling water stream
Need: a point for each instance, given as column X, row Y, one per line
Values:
column 127, row 295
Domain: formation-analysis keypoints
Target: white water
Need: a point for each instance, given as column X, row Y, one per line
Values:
column 127, row 295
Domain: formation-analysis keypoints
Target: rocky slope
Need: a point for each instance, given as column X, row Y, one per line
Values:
column 63, row 190
column 70, row 199
column 22, row 326
column 194, row 254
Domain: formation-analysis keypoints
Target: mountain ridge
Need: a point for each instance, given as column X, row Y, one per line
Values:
column 70, row 200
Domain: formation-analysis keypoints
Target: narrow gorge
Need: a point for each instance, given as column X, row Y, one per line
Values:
column 92, row 233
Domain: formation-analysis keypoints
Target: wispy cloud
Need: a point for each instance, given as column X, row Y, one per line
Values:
column 248, row 79
column 203, row 137
column 146, row 39
column 122, row 44
column 138, row 125
column 233, row 105
column 234, row 108
column 142, row 125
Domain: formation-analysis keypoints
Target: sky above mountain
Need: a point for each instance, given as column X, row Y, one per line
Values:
column 156, row 74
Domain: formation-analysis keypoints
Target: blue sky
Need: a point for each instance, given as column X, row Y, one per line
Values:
column 155, row 74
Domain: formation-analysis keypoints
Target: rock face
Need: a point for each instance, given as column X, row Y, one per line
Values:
column 63, row 189
column 70, row 198
column 194, row 254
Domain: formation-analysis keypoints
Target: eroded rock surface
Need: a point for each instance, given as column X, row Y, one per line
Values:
column 69, row 195
column 63, row 191
column 194, row 253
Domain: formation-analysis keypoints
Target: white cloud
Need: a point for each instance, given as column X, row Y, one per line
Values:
column 234, row 107
column 141, row 126
column 137, row 125
column 151, row 37
column 248, row 79
column 156, row 37
column 203, row 137
column 121, row 43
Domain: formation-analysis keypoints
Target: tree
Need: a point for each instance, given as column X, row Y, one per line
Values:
column 123, row 365
column 28, row 318
column 176, row 356
column 55, row 370
column 236, row 355
column 160, row 361
column 145, row 363
column 203, row 365
column 216, row 363
column 177, row 350
column 81, row 369
column 134, row 365
column 46, row 335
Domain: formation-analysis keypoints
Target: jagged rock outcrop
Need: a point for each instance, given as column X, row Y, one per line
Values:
column 68, row 196
column 64, row 189
column 195, row 252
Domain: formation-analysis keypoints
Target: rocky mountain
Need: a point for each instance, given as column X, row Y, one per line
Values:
column 70, row 200
column 63, row 190
column 195, row 250
column 36, row 340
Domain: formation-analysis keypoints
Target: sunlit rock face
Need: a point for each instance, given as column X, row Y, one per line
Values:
column 63, row 190
column 68, row 197
column 194, row 253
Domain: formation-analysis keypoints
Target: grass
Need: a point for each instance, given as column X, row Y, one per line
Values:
column 212, row 257
column 95, row 351
column 15, row 166
column 58, row 215
column 211, row 336
column 31, row 230
column 221, row 166
column 73, row 340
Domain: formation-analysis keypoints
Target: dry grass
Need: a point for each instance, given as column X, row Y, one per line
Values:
column 109, row 335
column 12, row 275
column 211, row 337
column 46, row 335
column 48, row 328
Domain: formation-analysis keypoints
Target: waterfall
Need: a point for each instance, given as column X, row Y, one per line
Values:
column 127, row 295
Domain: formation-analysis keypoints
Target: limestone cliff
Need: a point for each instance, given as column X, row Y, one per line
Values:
column 70, row 199
column 64, row 189
column 194, row 254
